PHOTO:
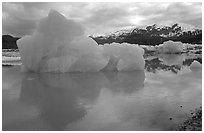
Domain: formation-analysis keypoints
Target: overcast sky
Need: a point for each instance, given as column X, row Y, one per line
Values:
column 20, row 19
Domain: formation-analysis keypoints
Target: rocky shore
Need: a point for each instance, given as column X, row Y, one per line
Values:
column 193, row 122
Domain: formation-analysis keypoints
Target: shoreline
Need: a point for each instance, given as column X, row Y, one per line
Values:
column 193, row 122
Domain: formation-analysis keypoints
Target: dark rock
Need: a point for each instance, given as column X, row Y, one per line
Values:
column 9, row 42
column 193, row 122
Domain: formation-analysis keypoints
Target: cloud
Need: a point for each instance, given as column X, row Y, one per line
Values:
column 20, row 18
column 18, row 26
column 189, row 13
column 108, row 17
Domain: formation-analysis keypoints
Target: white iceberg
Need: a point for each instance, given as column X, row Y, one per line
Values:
column 187, row 46
column 170, row 47
column 124, row 57
column 148, row 48
column 59, row 45
column 195, row 65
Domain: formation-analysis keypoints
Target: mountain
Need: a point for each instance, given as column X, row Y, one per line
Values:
column 9, row 42
column 152, row 35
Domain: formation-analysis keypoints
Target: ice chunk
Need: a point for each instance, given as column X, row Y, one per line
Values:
column 171, row 47
column 59, row 45
column 148, row 48
column 187, row 46
column 195, row 65
column 124, row 57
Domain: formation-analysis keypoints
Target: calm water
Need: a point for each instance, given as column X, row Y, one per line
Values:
column 140, row 100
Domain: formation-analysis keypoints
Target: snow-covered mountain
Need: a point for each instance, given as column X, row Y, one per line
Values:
column 153, row 35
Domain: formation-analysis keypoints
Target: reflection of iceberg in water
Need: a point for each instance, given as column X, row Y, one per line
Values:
column 172, row 59
column 170, row 62
column 66, row 98
column 55, row 97
column 155, row 64
column 126, row 82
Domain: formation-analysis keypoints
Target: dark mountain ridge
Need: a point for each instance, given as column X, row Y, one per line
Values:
column 149, row 35
column 9, row 42
column 152, row 35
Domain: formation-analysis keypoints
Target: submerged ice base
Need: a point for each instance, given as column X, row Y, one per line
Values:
column 59, row 45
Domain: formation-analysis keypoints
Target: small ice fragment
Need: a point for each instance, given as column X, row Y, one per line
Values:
column 195, row 65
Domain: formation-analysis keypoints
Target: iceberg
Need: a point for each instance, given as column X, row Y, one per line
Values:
column 171, row 47
column 195, row 65
column 124, row 57
column 59, row 45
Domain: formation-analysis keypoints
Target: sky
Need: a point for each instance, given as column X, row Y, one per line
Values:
column 20, row 19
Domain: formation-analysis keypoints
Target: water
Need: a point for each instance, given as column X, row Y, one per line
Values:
column 140, row 100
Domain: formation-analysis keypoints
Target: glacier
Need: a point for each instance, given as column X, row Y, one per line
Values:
column 59, row 45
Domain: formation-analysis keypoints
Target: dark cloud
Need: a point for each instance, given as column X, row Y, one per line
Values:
column 18, row 20
column 21, row 18
column 18, row 26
